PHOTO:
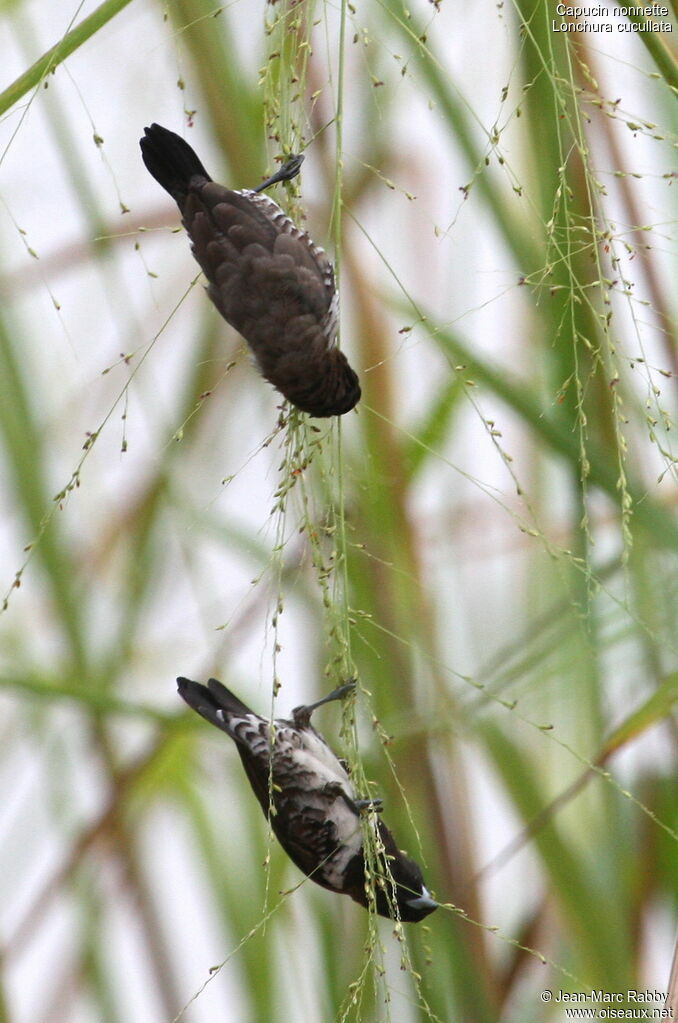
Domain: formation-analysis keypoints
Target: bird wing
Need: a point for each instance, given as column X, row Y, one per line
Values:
column 276, row 287
column 266, row 277
column 310, row 838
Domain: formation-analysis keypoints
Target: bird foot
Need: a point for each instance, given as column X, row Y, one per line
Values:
column 302, row 715
column 335, row 790
column 289, row 170
column 369, row 804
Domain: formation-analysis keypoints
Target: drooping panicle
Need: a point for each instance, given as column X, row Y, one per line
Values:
column 266, row 276
column 317, row 814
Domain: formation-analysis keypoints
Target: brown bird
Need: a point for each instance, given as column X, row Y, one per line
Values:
column 305, row 791
column 266, row 277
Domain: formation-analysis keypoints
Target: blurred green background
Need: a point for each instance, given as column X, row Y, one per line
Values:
column 489, row 543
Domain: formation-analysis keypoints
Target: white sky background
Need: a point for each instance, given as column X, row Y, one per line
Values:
column 121, row 80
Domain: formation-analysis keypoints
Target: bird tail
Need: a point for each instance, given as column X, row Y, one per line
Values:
column 170, row 160
column 214, row 702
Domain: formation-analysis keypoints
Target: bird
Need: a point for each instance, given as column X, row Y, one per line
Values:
column 307, row 795
column 265, row 275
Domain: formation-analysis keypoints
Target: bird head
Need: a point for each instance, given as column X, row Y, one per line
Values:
column 412, row 898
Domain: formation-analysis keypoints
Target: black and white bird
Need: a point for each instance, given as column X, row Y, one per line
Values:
column 305, row 791
column 266, row 277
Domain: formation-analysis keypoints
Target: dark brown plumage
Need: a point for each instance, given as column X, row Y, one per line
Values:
column 315, row 811
column 266, row 277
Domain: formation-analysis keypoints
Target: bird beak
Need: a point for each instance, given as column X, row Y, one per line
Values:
column 423, row 901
